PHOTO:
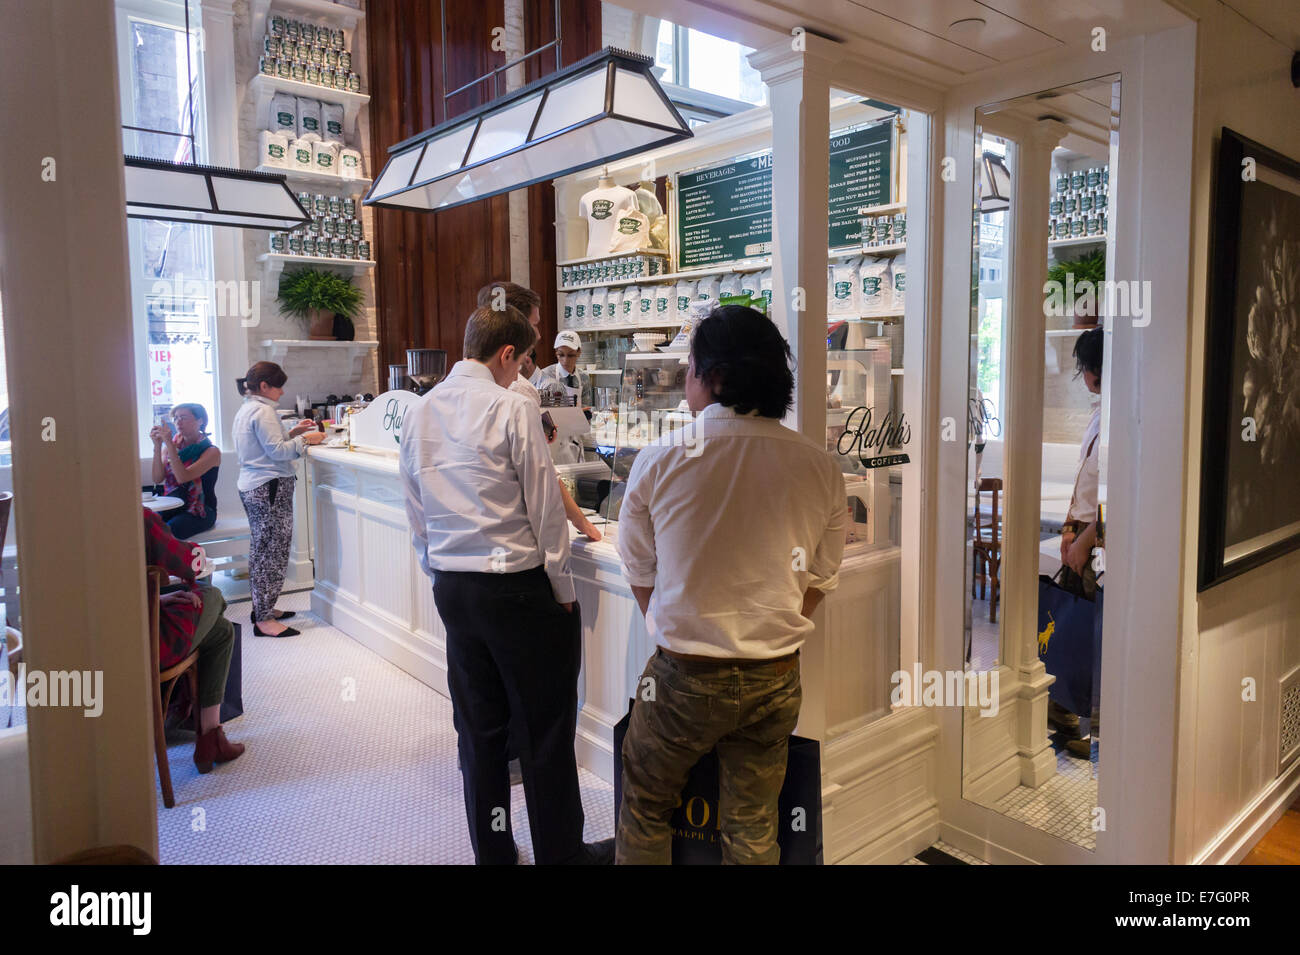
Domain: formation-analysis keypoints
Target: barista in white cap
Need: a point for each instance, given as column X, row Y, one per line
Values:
column 568, row 346
column 564, row 378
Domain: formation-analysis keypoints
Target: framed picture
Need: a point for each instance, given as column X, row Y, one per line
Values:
column 1250, row 462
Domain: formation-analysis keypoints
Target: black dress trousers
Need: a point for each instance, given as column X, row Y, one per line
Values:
column 513, row 657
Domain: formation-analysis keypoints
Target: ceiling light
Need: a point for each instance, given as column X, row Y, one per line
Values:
column 209, row 195
column 968, row 27
column 602, row 108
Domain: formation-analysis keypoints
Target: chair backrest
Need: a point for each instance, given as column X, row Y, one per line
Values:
column 993, row 487
column 6, row 504
column 154, row 585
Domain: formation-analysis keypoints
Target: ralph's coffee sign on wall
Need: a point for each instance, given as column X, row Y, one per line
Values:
column 867, row 438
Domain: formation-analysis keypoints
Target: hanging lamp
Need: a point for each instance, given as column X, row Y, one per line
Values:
column 207, row 195
column 602, row 108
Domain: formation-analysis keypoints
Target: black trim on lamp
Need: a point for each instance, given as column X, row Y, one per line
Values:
column 140, row 205
column 591, row 111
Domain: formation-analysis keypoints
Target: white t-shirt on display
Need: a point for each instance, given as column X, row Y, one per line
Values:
column 600, row 208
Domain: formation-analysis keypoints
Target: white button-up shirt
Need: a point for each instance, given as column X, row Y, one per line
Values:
column 265, row 451
column 1083, row 502
column 481, row 492
column 731, row 521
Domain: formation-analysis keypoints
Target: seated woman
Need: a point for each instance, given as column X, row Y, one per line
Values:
column 186, row 466
column 190, row 617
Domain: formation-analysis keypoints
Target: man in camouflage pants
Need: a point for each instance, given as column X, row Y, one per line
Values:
column 731, row 531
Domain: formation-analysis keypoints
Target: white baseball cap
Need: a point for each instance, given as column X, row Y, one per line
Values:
column 568, row 339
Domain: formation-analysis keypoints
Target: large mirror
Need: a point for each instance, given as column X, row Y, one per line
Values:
column 1037, row 436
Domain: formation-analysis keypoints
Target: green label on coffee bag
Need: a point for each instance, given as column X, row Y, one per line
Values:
column 310, row 122
column 275, row 150
column 284, row 119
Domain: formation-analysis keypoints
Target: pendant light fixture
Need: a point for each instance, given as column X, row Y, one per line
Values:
column 602, row 108
column 206, row 195
column 995, row 184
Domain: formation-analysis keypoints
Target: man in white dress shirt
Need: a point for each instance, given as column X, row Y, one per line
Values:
column 730, row 536
column 483, row 503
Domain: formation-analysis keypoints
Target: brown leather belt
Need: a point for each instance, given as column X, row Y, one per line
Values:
column 724, row 661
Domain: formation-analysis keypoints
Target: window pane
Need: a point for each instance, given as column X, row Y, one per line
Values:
column 160, row 91
column 665, row 54
column 720, row 67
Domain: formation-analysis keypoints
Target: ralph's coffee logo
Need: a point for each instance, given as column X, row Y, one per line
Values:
column 629, row 226
column 392, row 423
column 602, row 209
column 868, row 442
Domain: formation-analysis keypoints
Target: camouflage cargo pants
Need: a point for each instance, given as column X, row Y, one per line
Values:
column 745, row 710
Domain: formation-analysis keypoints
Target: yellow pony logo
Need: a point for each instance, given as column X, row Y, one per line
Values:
column 1046, row 635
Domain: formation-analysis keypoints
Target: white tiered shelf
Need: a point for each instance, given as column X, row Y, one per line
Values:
column 277, row 262
column 262, row 87
column 278, row 349
column 353, row 187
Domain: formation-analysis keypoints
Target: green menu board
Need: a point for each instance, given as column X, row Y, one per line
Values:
column 724, row 212
column 860, row 175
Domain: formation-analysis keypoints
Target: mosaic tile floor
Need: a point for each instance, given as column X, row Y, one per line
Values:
column 328, row 780
column 1063, row 805
column 943, row 854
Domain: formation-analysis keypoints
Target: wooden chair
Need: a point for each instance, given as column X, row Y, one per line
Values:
column 187, row 667
column 986, row 541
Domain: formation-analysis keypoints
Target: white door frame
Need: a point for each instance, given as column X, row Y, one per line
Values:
column 1147, row 379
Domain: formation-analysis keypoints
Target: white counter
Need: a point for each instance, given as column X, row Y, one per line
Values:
column 369, row 585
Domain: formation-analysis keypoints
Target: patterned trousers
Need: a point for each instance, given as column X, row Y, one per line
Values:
column 747, row 711
column 269, row 508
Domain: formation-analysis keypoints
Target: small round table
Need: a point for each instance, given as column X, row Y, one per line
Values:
column 162, row 503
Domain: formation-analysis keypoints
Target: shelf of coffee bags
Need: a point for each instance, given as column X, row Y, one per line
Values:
column 262, row 87
column 624, row 326
column 355, row 187
column 750, row 265
column 277, row 262
column 1076, row 240
column 338, row 13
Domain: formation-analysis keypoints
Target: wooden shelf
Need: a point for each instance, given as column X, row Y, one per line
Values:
column 353, row 187
column 276, row 262
column 662, row 253
column 338, row 13
column 262, row 87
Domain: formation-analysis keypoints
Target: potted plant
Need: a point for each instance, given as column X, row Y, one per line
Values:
column 316, row 296
column 1087, row 268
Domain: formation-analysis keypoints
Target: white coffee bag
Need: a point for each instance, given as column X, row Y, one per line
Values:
column 898, row 277
column 842, row 297
column 599, row 296
column 729, row 285
column 765, row 289
column 581, row 308
column 631, row 310
column 284, row 115
column 570, row 301
column 685, row 294
column 875, row 291
column 324, row 156
column 273, row 149
column 331, row 118
column 301, row 158
column 614, row 306
column 308, row 118
column 350, row 163
column 665, row 303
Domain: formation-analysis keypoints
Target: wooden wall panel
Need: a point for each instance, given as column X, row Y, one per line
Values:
column 432, row 264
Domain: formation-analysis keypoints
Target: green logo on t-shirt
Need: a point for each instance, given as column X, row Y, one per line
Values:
column 629, row 226
column 601, row 209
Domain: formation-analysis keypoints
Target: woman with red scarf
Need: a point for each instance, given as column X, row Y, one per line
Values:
column 186, row 465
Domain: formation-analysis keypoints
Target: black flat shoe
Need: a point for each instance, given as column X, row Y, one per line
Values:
column 284, row 615
column 286, row 632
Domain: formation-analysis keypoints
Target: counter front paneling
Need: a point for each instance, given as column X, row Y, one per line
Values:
column 370, row 586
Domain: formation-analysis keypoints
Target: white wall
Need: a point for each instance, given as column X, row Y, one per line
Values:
column 1248, row 626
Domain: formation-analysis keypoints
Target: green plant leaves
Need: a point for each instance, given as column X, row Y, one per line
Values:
column 305, row 290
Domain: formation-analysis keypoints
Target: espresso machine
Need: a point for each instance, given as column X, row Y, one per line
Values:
column 425, row 367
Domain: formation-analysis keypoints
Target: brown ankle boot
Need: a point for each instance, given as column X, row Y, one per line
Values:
column 212, row 747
